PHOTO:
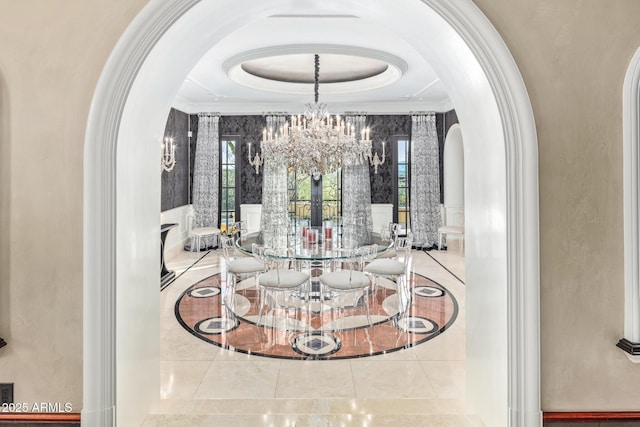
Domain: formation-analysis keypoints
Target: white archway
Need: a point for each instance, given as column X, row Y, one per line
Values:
column 121, row 198
column 453, row 176
column 630, row 343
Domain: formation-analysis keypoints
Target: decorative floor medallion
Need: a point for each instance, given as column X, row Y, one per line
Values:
column 204, row 292
column 216, row 325
column 307, row 328
column 316, row 344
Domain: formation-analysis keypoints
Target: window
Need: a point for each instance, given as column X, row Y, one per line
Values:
column 332, row 195
column 315, row 201
column 402, row 180
column 299, row 188
column 228, row 146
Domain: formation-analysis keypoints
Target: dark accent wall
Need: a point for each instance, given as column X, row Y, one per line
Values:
column 175, row 184
column 383, row 128
column 193, row 123
column 249, row 128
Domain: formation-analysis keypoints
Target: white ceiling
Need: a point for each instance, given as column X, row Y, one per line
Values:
column 217, row 83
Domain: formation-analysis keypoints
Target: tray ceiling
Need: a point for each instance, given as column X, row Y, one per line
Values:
column 268, row 66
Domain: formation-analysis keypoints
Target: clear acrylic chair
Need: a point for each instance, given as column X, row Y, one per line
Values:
column 342, row 284
column 279, row 284
column 395, row 269
column 389, row 232
column 238, row 268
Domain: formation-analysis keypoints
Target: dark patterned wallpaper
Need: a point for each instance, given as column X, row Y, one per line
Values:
column 176, row 185
column 384, row 128
column 193, row 123
column 249, row 129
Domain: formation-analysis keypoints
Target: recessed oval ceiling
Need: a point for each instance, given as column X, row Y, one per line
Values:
column 299, row 68
column 290, row 69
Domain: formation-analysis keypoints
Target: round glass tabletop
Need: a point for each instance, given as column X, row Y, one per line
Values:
column 322, row 249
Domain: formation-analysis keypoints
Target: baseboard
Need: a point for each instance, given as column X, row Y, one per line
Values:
column 40, row 418
column 550, row 417
column 633, row 348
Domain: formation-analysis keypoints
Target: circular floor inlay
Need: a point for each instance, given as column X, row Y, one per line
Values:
column 308, row 328
column 205, row 292
column 316, row 344
column 417, row 325
column 216, row 325
column 428, row 291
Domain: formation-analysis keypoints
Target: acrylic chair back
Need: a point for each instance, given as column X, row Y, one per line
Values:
column 366, row 254
column 403, row 246
column 278, row 259
column 227, row 246
column 352, row 257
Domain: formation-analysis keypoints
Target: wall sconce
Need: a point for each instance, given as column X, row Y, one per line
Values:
column 376, row 161
column 168, row 154
column 256, row 162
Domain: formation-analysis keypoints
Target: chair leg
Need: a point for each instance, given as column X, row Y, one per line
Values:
column 226, row 292
column 261, row 305
column 440, row 241
column 366, row 305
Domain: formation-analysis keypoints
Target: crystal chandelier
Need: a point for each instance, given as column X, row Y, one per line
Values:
column 316, row 143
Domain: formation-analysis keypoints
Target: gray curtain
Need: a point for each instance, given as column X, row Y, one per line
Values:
column 425, row 181
column 206, row 175
column 356, row 192
column 275, row 197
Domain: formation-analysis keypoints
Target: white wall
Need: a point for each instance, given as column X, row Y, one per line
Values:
column 251, row 214
column 453, row 171
column 381, row 215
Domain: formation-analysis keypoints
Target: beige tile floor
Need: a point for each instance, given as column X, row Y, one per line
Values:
column 204, row 385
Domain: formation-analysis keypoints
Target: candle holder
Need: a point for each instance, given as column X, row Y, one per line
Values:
column 257, row 160
column 327, row 226
column 168, row 154
column 312, row 236
column 376, row 161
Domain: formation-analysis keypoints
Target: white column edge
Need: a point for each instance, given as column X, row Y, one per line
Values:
column 631, row 178
column 99, row 207
column 521, row 148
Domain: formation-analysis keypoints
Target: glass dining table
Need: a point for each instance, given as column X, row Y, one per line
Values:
column 311, row 250
column 316, row 248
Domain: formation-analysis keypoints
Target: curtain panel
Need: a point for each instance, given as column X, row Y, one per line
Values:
column 425, row 181
column 274, row 221
column 206, row 175
column 356, row 192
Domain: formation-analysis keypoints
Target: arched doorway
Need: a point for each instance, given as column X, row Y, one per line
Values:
column 453, row 177
column 121, row 230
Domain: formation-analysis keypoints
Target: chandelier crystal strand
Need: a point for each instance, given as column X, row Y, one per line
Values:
column 316, row 143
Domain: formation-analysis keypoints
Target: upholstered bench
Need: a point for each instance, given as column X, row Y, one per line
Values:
column 198, row 233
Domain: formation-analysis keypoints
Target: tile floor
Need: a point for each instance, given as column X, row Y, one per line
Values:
column 204, row 385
